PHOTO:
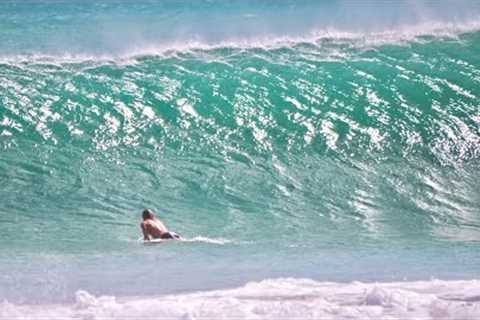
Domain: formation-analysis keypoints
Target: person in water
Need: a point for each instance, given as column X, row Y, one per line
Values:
column 153, row 228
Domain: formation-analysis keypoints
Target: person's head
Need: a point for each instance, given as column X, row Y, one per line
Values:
column 147, row 214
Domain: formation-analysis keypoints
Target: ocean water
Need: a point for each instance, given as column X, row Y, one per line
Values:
column 320, row 158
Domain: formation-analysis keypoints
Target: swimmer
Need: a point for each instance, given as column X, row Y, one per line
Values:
column 153, row 228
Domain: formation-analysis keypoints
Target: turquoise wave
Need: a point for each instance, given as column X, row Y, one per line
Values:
column 326, row 140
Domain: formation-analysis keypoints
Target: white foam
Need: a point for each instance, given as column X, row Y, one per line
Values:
column 220, row 241
column 207, row 240
column 360, row 39
column 278, row 299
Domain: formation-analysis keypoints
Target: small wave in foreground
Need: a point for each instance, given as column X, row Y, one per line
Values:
column 278, row 299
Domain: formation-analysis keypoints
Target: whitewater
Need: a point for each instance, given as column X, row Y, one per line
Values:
column 279, row 299
column 320, row 159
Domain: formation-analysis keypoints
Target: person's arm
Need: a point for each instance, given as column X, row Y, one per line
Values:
column 161, row 226
column 146, row 237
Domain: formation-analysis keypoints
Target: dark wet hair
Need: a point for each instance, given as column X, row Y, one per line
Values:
column 146, row 214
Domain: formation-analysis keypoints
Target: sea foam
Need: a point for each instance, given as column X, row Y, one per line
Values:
column 325, row 38
column 278, row 299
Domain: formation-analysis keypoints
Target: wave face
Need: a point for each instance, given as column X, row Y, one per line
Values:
column 325, row 146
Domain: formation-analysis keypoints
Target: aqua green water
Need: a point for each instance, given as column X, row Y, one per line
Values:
column 342, row 157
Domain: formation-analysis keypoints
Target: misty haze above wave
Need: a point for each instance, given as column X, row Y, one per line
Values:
column 125, row 27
